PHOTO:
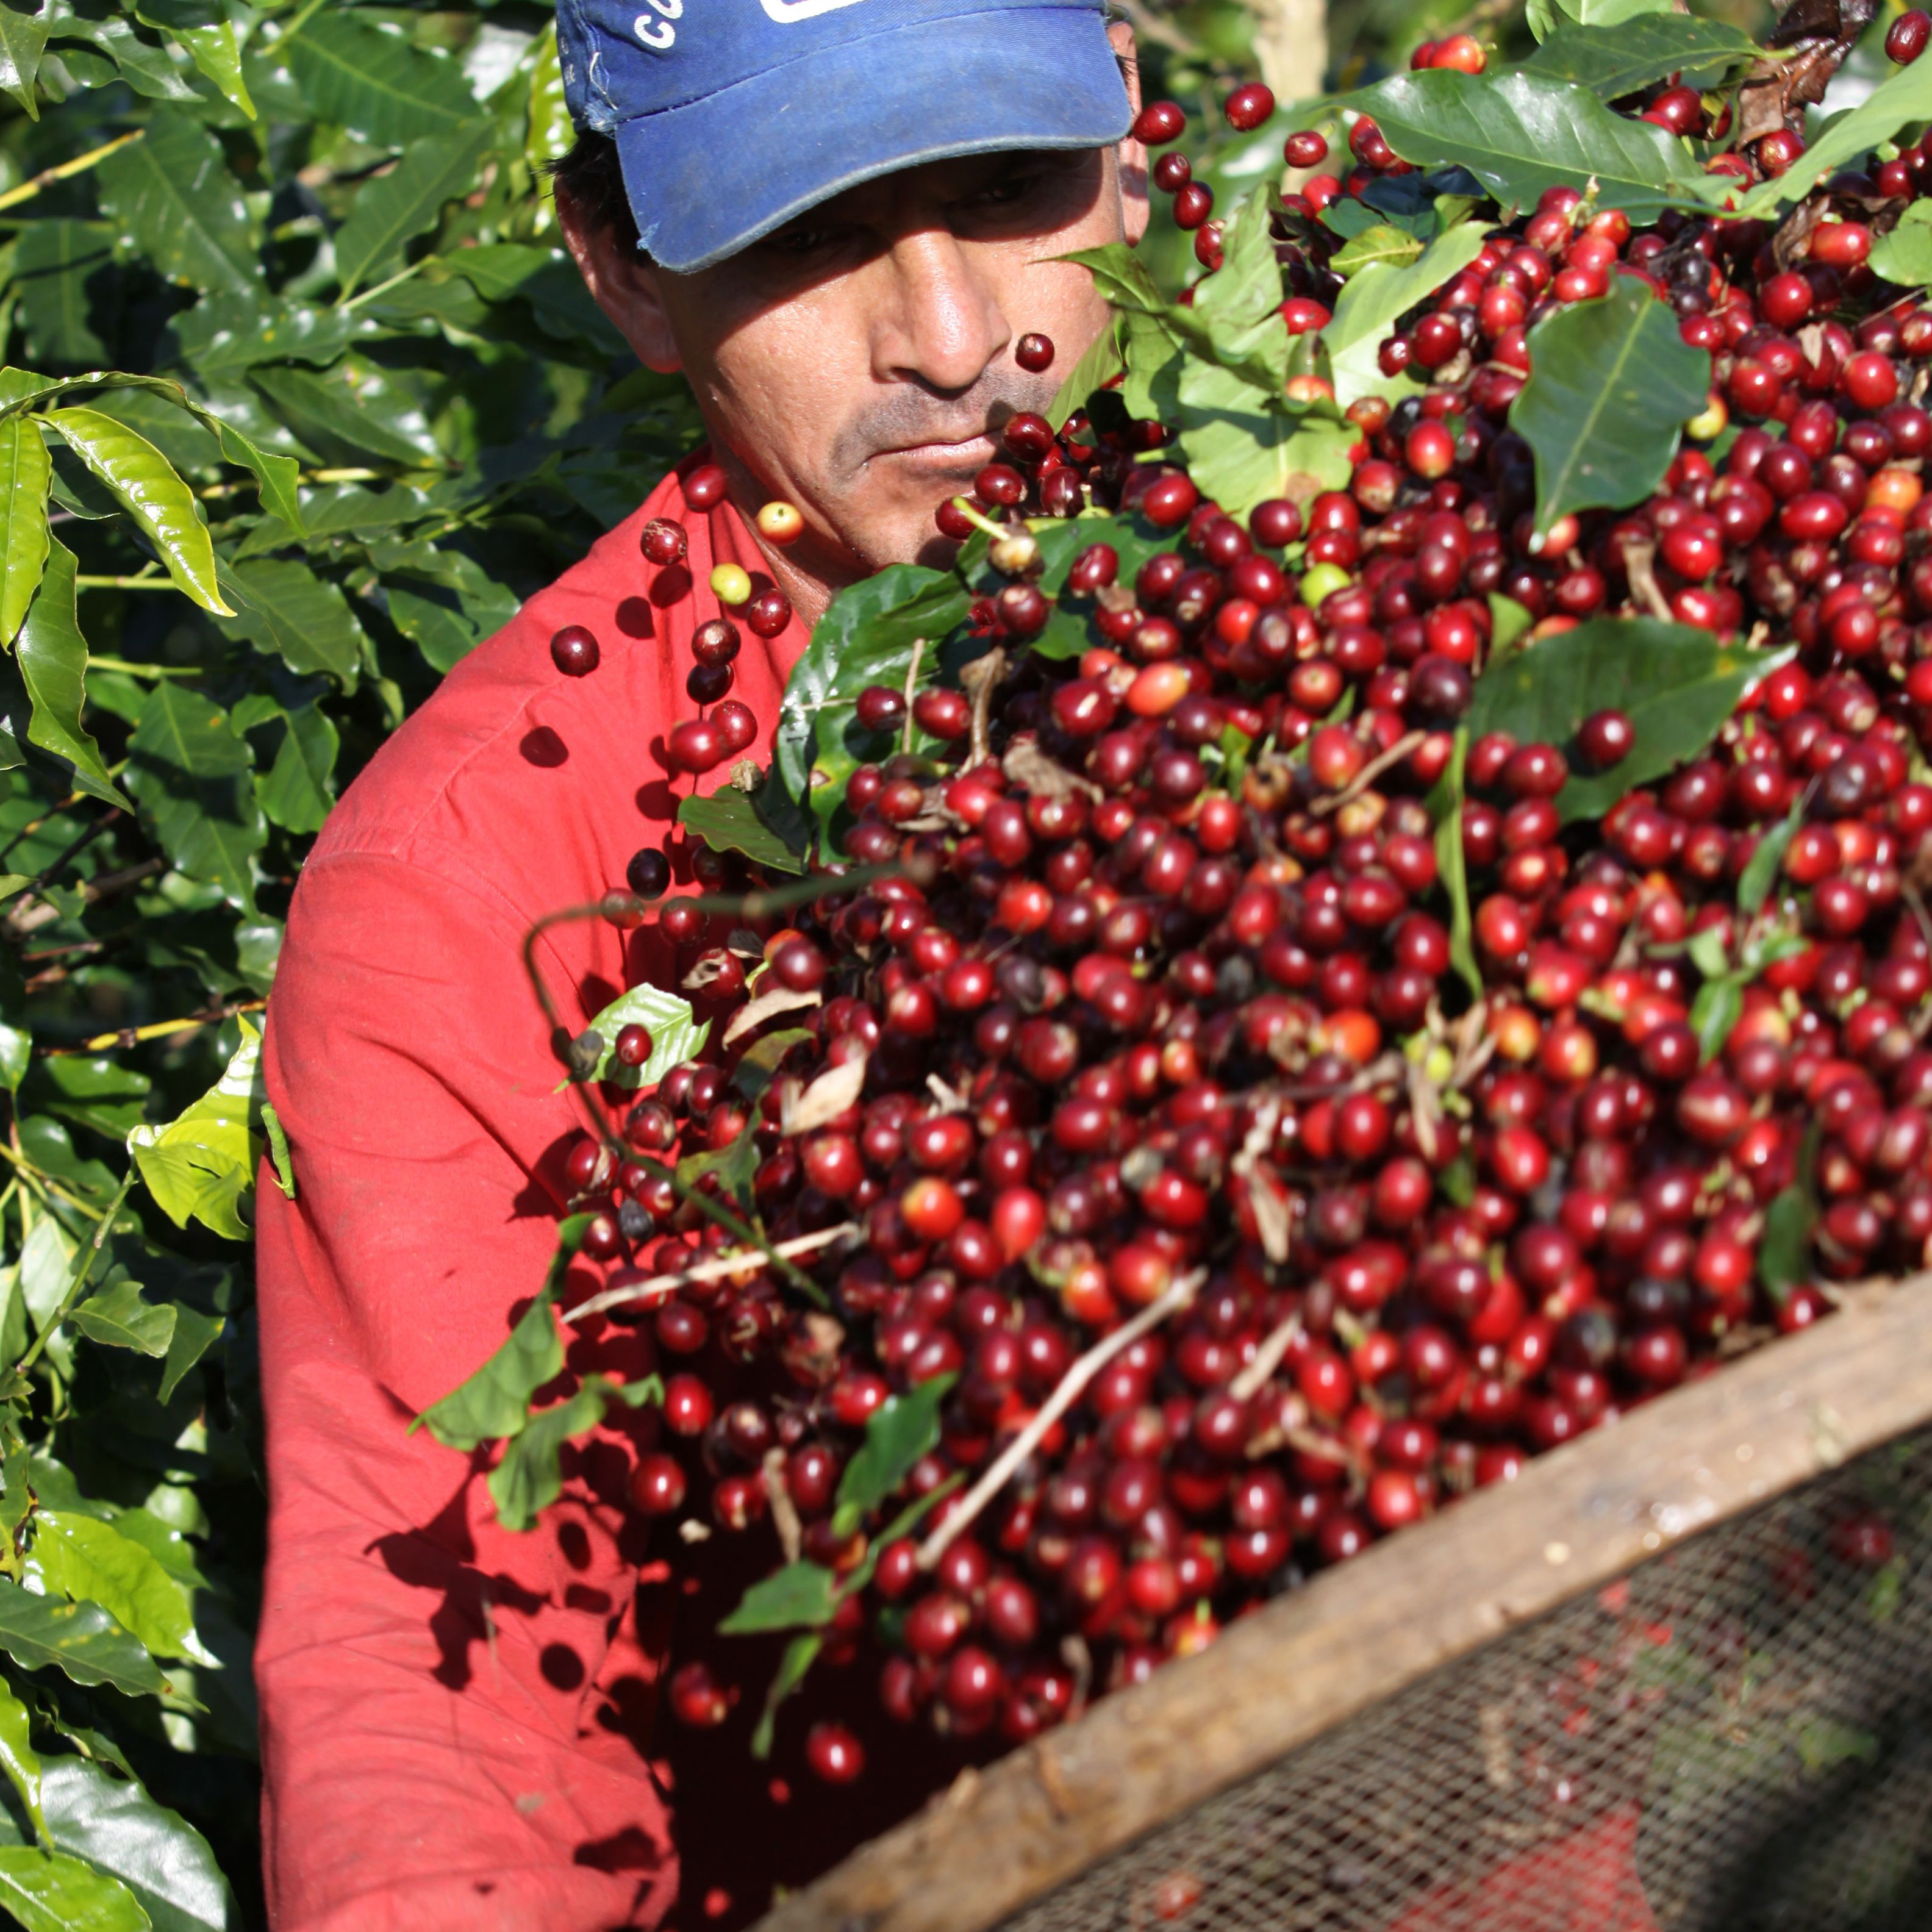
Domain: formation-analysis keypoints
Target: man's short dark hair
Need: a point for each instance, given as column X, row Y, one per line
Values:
column 592, row 178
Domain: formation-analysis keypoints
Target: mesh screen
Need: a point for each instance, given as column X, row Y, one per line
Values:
column 1735, row 1737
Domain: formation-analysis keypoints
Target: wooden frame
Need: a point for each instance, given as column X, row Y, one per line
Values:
column 1574, row 1519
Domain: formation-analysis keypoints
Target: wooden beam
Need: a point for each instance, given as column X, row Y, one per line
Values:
column 1353, row 1635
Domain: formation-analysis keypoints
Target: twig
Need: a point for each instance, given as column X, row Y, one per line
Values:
column 784, row 1511
column 979, row 678
column 1072, row 1385
column 911, row 686
column 127, row 1036
column 67, row 170
column 1254, row 1378
column 1368, row 774
column 744, row 1262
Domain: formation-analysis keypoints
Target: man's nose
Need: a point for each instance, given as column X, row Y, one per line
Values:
column 943, row 324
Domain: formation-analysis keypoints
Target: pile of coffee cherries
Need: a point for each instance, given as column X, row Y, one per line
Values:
column 1168, row 1084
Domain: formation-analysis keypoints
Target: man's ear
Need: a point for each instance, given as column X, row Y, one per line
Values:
column 623, row 283
column 1133, row 160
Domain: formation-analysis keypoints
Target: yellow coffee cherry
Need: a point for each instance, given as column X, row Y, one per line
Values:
column 730, row 585
column 781, row 522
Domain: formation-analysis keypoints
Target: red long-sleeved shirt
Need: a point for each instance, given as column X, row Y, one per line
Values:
column 457, row 1722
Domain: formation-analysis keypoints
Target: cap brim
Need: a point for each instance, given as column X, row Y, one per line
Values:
column 707, row 179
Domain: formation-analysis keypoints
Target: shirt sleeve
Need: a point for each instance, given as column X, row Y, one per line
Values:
column 448, row 1710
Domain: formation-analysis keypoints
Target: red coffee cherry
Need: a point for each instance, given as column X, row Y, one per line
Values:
column 663, row 541
column 1906, row 40
column 705, row 487
column 573, row 651
column 1034, row 352
column 1249, row 106
column 1159, row 122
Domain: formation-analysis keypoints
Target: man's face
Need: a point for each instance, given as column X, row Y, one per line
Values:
column 859, row 362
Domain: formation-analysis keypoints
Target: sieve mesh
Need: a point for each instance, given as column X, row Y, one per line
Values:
column 1734, row 1736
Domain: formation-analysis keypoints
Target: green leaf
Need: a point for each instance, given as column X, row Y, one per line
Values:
column 442, row 601
column 394, row 208
column 278, row 1149
column 116, row 1827
column 729, row 821
column 141, row 59
column 350, row 412
column 202, row 1164
column 1614, row 59
column 1676, row 685
column 1904, row 256
column 92, row 1562
column 190, row 774
column 25, row 473
column 55, row 1894
column 172, row 192
column 147, row 488
column 495, row 1401
column 1256, row 354
column 282, row 606
column 1784, row 1250
column 800, row 1596
column 1898, row 101
column 1761, row 870
column 374, row 83
column 194, row 1334
column 550, row 133
column 1508, row 621
column 1612, row 383
column 23, row 38
column 1375, row 295
column 51, row 655
column 116, row 1316
column 297, row 792
column 666, row 1016
column 734, row 1166
column 1102, row 363
column 799, row 1655
column 1719, row 1003
column 1376, row 246
column 1243, row 446
column 757, row 1066
column 19, row 1759
column 901, row 1429
column 1519, row 132
column 210, row 42
column 528, row 1479
column 81, row 1639
column 64, row 270
column 1452, row 865
column 865, row 636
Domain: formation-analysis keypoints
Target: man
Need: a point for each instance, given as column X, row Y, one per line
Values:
column 837, row 216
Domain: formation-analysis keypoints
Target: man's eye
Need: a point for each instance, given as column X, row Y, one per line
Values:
column 801, row 240
column 1004, row 192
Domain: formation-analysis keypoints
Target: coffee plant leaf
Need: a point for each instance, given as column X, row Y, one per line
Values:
column 122, row 49
column 374, row 82
column 1676, row 684
column 190, row 774
column 80, row 1639
column 1612, row 383
column 1095, row 369
column 50, row 1892
column 281, row 605
column 731, row 821
column 1615, row 59
column 211, row 44
column 51, row 655
column 1546, row 16
column 866, row 636
column 1377, row 246
column 1244, row 445
column 25, row 475
column 1904, row 256
column 23, row 39
column 495, row 1400
column 298, row 790
column 19, row 1762
column 393, row 210
column 57, row 263
column 1373, row 299
column 117, row 1315
column 202, row 1164
column 1760, row 873
column 901, row 1429
column 116, row 1825
column 799, row 1656
column 1519, row 132
column 1445, row 806
column 800, row 1596
column 175, row 201
column 757, row 1065
column 89, row 1560
column 146, row 485
column 442, row 601
column 676, row 1035
column 529, row 1477
column 1903, row 98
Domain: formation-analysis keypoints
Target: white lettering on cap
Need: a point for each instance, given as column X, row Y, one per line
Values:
column 660, row 34
column 784, row 12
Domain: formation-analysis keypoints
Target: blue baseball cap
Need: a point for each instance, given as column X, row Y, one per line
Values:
column 731, row 116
